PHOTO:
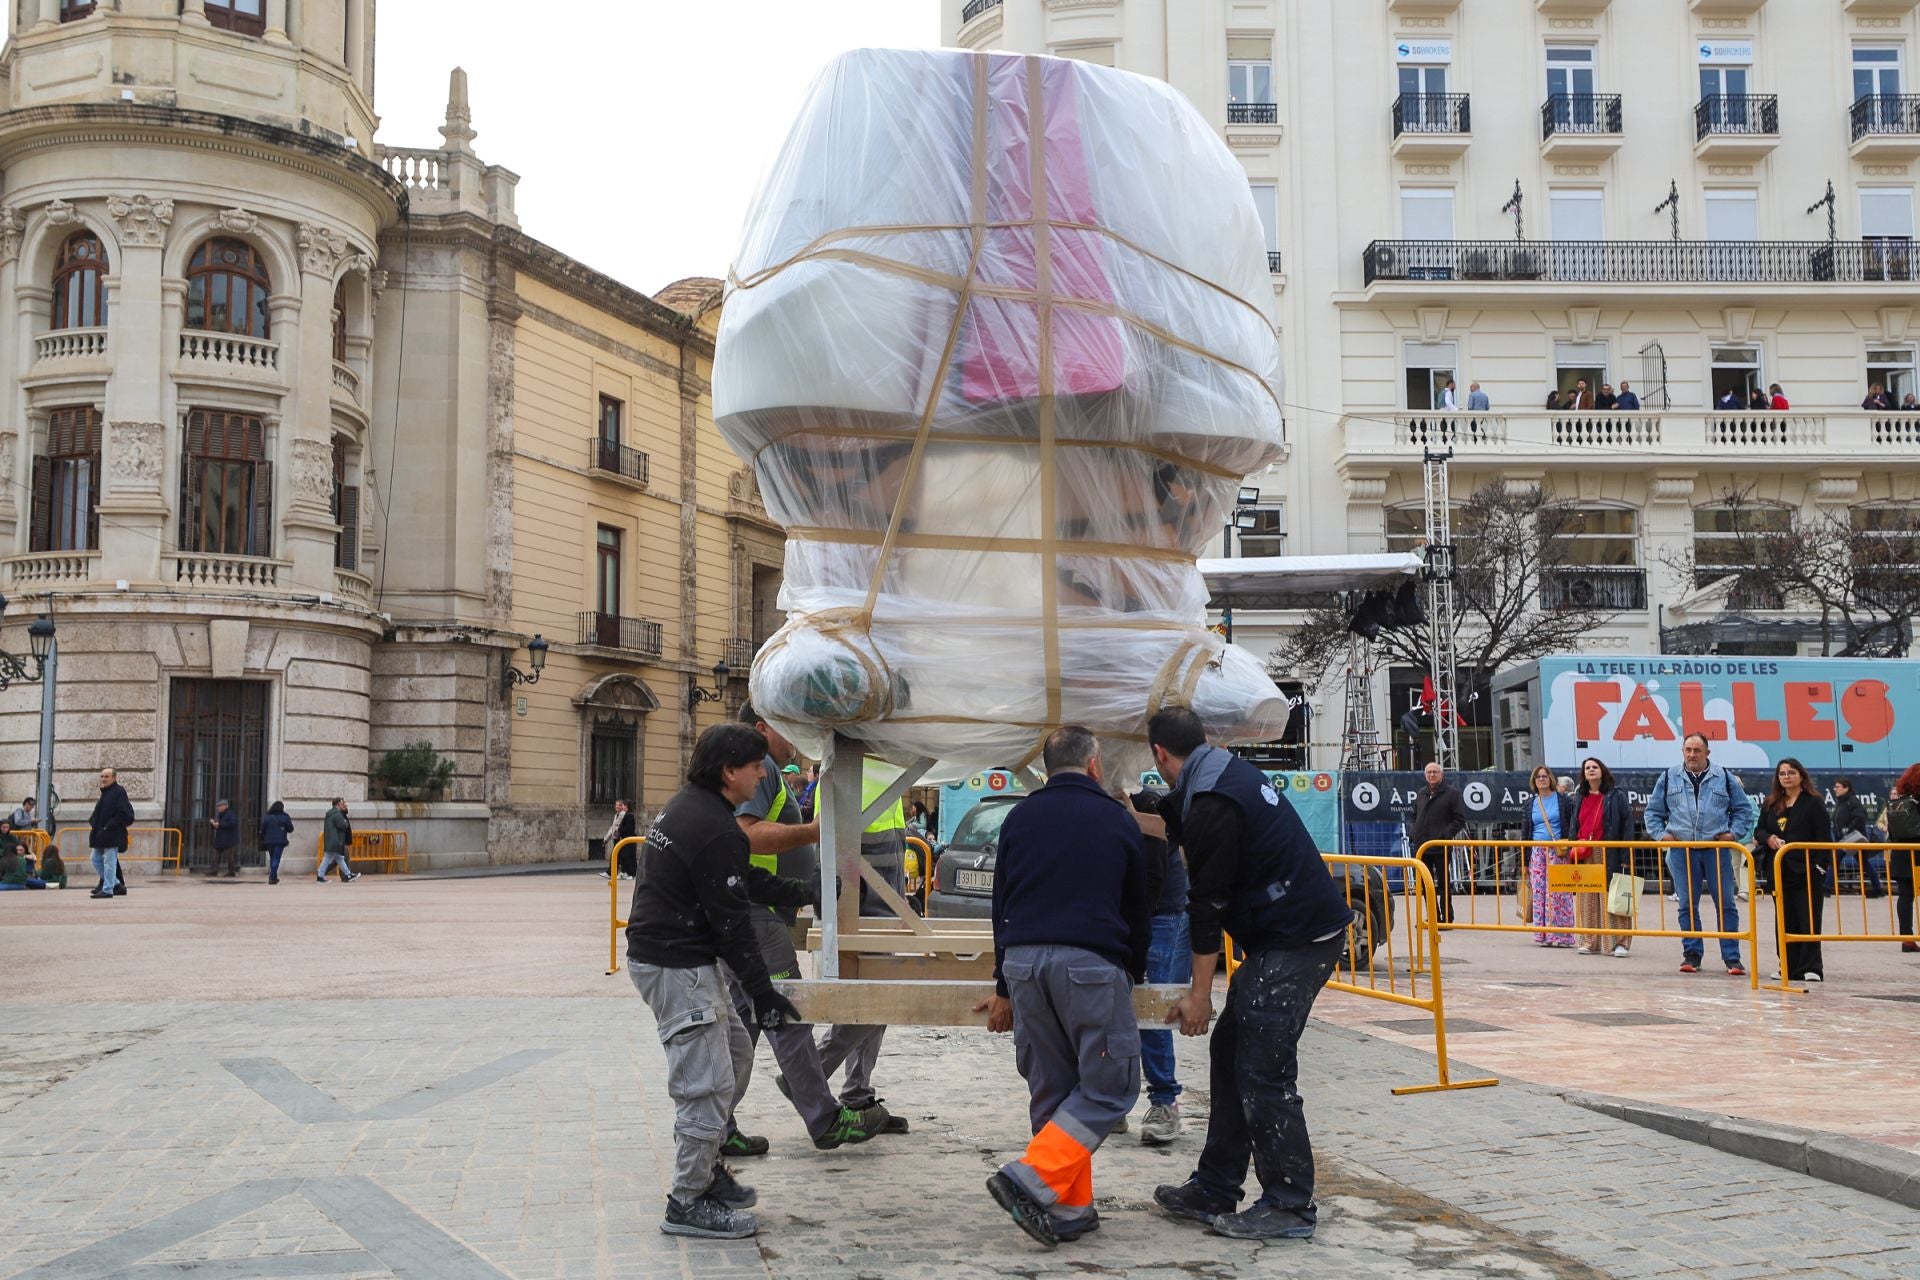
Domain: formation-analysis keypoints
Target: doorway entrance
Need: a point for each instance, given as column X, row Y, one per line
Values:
column 217, row 750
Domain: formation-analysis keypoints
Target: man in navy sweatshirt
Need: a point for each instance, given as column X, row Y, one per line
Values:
column 1072, row 921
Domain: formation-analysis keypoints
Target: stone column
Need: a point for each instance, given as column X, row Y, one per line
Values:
column 277, row 22
column 135, row 515
column 49, row 14
column 302, row 452
column 194, row 13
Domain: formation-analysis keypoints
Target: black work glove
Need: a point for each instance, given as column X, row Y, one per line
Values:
column 773, row 1011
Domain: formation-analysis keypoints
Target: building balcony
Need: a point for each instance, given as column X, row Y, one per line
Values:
column 1888, row 8
column 1526, row 267
column 1611, row 588
column 1581, row 126
column 47, row 570
column 611, row 460
column 740, row 653
column 226, row 573
column 979, row 20
column 1422, row 7
column 1726, row 8
column 1431, row 126
column 1742, row 126
column 1610, row 439
column 231, row 353
column 346, row 383
column 1561, row 8
column 71, row 344
column 1253, row 113
column 353, row 588
column 626, row 636
column 1885, row 126
column 1273, row 262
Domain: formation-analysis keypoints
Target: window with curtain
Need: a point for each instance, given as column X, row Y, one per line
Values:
column 1426, row 213
column 66, row 483
column 79, row 283
column 227, row 287
column 346, row 511
column 226, row 484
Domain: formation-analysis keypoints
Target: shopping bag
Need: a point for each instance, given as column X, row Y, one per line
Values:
column 1622, row 892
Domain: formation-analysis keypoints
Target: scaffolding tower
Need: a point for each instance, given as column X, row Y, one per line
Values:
column 1360, row 745
column 1440, row 618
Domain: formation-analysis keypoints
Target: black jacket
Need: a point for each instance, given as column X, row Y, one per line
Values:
column 1903, row 826
column 1805, row 819
column 1616, row 823
column 1072, row 871
column 1437, row 815
column 112, row 815
column 1848, row 815
column 226, row 829
column 276, row 829
column 690, row 898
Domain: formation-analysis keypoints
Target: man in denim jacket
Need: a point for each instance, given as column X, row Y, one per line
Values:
column 1699, row 802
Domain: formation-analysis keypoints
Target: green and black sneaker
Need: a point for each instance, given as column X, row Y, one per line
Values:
column 739, row 1144
column 852, row 1126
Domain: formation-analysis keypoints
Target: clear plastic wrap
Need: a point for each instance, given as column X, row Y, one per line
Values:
column 1005, row 324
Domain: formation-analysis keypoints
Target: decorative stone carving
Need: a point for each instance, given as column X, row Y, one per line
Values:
column 1671, row 487
column 313, row 473
column 1724, row 24
column 1429, row 24
column 1570, row 24
column 143, row 222
column 11, row 225
column 360, row 264
column 321, row 248
column 60, row 213
column 1429, row 170
column 239, row 221
column 1576, row 170
column 134, row 452
column 1878, row 24
column 1841, row 488
column 1366, row 488
column 1886, row 170
column 9, row 442
column 1730, row 170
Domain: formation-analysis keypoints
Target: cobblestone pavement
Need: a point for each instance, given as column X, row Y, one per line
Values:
column 478, row 1135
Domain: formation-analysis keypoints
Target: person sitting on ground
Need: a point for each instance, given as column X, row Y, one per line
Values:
column 16, row 865
column 1795, row 814
column 53, row 868
column 1903, row 827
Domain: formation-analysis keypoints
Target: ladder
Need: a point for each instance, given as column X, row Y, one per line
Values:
column 1440, row 648
column 1360, row 745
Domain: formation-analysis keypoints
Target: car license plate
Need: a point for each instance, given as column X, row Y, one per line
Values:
column 977, row 880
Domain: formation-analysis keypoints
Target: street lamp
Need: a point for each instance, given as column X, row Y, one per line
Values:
column 696, row 695
column 536, row 658
column 13, row 667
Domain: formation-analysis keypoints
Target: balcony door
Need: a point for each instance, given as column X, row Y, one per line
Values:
column 1876, row 71
column 1886, row 224
column 1570, row 85
column 1423, row 98
column 1736, row 369
column 606, row 584
column 1430, row 366
column 1724, row 90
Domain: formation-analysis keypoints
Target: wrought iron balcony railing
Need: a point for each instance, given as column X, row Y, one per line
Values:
column 975, row 8
column 611, row 631
column 1881, row 113
column 1642, row 261
column 1605, row 587
column 1564, row 113
column 1253, row 113
column 1432, row 113
column 1273, row 261
column 610, row 455
column 1736, row 113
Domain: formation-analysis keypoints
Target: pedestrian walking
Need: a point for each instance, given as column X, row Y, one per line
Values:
column 1601, row 812
column 276, row 831
column 1549, row 817
column 1903, row 827
column 107, row 835
column 1169, row 960
column 1852, row 826
column 1438, row 814
column 1257, row 874
column 1795, row 814
column 336, row 836
column 226, row 839
column 1072, row 925
column 621, row 828
column 1694, row 801
column 689, row 915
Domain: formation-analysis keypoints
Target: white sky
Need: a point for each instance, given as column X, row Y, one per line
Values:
column 639, row 128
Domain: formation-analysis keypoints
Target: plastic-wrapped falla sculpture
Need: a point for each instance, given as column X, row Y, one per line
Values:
column 998, row 345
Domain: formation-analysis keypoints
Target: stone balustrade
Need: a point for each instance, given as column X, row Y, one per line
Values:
column 233, row 350
column 70, row 344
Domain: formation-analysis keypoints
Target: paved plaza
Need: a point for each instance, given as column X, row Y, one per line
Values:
column 436, row 1079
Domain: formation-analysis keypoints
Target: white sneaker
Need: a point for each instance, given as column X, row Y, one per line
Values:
column 1583, row 950
column 605, row 876
column 1811, row 977
column 625, row 876
column 1742, row 895
column 1774, row 977
column 1162, row 1124
column 1621, row 953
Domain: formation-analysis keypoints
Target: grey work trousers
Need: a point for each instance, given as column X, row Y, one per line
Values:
column 799, row 1063
column 709, row 1063
column 1077, row 1045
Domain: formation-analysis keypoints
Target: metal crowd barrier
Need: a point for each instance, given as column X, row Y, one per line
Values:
column 171, row 842
column 1807, row 901
column 383, row 848
column 614, row 923
column 1487, row 912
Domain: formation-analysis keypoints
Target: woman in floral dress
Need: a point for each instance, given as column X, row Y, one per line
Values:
column 1549, row 818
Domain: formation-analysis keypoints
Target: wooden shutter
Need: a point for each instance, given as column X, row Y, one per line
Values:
column 261, row 541
column 42, row 505
column 349, row 546
column 189, row 501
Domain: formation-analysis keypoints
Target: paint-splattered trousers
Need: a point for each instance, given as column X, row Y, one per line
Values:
column 1077, row 1044
column 1257, row 1111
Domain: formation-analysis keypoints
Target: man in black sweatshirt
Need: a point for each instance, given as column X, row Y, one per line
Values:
column 690, row 914
column 1072, row 921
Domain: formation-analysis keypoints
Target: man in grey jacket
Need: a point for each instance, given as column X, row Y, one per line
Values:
column 335, row 835
column 1699, row 802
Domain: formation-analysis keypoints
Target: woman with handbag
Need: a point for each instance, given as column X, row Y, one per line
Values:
column 1794, row 813
column 1903, row 827
column 1548, row 819
column 1600, row 812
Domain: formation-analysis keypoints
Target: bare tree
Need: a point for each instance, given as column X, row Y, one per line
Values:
column 1518, row 595
column 1857, row 568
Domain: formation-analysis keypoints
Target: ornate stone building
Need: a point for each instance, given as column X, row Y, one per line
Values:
column 307, row 439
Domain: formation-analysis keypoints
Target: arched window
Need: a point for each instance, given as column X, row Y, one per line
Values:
column 227, row 288
column 79, row 296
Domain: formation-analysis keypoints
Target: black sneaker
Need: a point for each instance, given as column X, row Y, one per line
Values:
column 739, row 1144
column 895, row 1124
column 852, row 1126
column 786, row 1090
column 729, row 1190
column 120, row 889
column 100, row 893
column 1068, row 1231
column 1027, row 1213
column 1262, row 1221
column 707, row 1217
column 1192, row 1201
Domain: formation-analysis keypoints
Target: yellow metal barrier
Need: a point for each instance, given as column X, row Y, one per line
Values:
column 1578, row 878
column 918, row 848
column 383, row 848
column 1375, row 925
column 614, row 923
column 1807, row 906
column 169, row 843
column 35, row 841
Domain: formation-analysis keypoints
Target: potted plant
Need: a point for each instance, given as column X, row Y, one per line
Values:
column 413, row 770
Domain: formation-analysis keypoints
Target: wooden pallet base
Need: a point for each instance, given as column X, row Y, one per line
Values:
column 933, row 1003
